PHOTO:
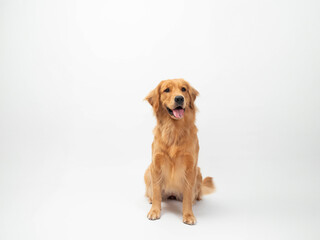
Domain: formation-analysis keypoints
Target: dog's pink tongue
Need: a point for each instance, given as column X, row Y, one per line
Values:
column 178, row 113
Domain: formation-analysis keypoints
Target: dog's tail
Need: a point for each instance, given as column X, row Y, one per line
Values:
column 207, row 186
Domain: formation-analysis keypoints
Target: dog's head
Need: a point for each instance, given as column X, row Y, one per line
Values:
column 174, row 96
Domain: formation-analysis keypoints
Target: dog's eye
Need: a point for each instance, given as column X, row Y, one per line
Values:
column 167, row 90
column 183, row 89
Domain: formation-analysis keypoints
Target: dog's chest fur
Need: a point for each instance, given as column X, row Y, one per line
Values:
column 174, row 139
column 173, row 177
column 173, row 170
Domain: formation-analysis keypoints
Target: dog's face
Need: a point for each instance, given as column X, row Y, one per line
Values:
column 174, row 97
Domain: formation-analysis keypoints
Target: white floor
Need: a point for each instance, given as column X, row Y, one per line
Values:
column 94, row 203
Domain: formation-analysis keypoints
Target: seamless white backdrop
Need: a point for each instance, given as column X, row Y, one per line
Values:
column 75, row 135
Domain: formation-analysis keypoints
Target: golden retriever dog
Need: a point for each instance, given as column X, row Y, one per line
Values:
column 173, row 172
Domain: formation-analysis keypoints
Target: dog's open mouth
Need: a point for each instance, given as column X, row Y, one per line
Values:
column 178, row 112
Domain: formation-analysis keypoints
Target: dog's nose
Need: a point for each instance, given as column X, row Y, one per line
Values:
column 179, row 99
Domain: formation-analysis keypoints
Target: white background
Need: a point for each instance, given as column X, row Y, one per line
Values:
column 75, row 135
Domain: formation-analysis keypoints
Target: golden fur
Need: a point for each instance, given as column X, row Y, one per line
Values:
column 173, row 170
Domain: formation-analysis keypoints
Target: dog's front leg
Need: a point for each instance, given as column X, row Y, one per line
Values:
column 190, row 176
column 157, row 162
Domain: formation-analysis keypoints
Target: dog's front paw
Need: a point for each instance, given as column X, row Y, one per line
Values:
column 189, row 219
column 154, row 214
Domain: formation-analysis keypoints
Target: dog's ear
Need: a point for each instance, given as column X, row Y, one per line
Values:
column 193, row 95
column 154, row 97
